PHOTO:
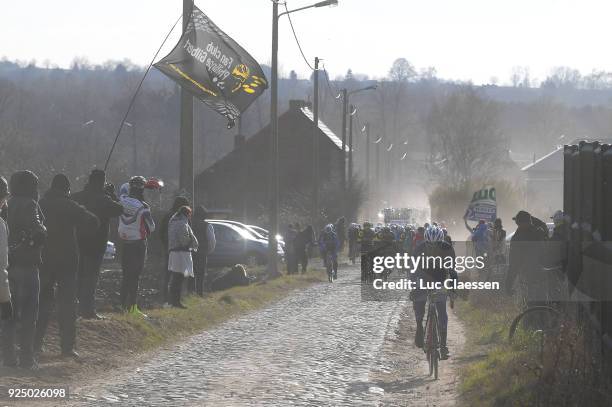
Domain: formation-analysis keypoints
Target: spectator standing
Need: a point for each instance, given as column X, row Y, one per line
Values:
column 135, row 226
column 27, row 235
column 181, row 243
column 6, row 306
column 205, row 234
column 60, row 262
column 303, row 239
column 163, row 237
column 290, row 256
column 98, row 198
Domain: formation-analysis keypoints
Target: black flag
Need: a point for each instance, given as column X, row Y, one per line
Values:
column 214, row 68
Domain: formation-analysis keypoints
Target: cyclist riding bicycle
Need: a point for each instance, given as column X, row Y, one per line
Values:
column 329, row 244
column 437, row 250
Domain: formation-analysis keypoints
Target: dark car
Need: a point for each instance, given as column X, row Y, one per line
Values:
column 237, row 245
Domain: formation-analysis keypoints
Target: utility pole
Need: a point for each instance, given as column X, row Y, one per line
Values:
column 315, row 148
column 274, row 175
column 350, row 152
column 367, row 167
column 186, row 137
column 344, row 109
column 378, row 168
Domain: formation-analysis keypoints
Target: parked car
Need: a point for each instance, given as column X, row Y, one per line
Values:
column 236, row 245
column 265, row 233
column 256, row 231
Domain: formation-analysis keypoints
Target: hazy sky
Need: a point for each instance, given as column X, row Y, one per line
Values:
column 462, row 39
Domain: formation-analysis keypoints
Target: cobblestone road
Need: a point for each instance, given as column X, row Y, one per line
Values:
column 318, row 346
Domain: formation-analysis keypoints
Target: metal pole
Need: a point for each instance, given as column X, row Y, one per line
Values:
column 186, row 138
column 378, row 169
column 315, row 148
column 367, row 169
column 274, row 176
column 344, row 108
column 350, row 152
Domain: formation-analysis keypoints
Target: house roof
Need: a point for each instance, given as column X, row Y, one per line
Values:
column 552, row 161
column 297, row 108
column 326, row 130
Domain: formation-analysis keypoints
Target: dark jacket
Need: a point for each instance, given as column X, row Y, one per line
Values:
column 25, row 221
column 303, row 239
column 525, row 253
column 435, row 270
column 62, row 217
column 200, row 229
column 105, row 206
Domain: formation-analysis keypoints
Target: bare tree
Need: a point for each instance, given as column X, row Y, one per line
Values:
column 466, row 142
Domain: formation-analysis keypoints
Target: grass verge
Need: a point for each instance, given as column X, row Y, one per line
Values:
column 202, row 313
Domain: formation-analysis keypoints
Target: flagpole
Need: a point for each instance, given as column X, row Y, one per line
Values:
column 186, row 127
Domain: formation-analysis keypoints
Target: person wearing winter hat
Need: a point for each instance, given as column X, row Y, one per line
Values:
column 99, row 198
column 60, row 262
column 27, row 235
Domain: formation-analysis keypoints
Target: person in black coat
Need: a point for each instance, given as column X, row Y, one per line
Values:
column 100, row 199
column 27, row 235
column 60, row 262
column 304, row 239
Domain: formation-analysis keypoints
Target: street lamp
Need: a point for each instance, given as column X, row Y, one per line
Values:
column 274, row 165
column 345, row 103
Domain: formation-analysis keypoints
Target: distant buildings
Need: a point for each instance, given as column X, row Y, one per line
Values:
column 544, row 184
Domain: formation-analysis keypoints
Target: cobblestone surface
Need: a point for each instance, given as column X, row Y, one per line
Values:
column 315, row 347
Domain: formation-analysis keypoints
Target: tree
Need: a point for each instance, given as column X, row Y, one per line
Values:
column 465, row 139
column 520, row 77
column 563, row 77
column 402, row 71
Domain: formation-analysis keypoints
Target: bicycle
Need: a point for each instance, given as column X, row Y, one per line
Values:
column 431, row 345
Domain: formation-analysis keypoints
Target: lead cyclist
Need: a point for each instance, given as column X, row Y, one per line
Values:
column 434, row 245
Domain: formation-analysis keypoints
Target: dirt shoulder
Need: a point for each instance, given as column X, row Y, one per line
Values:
column 403, row 373
column 120, row 339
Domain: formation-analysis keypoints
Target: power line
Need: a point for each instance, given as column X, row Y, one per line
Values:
column 329, row 86
column 297, row 41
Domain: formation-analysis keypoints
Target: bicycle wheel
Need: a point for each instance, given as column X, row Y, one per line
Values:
column 546, row 319
column 435, row 353
column 328, row 266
